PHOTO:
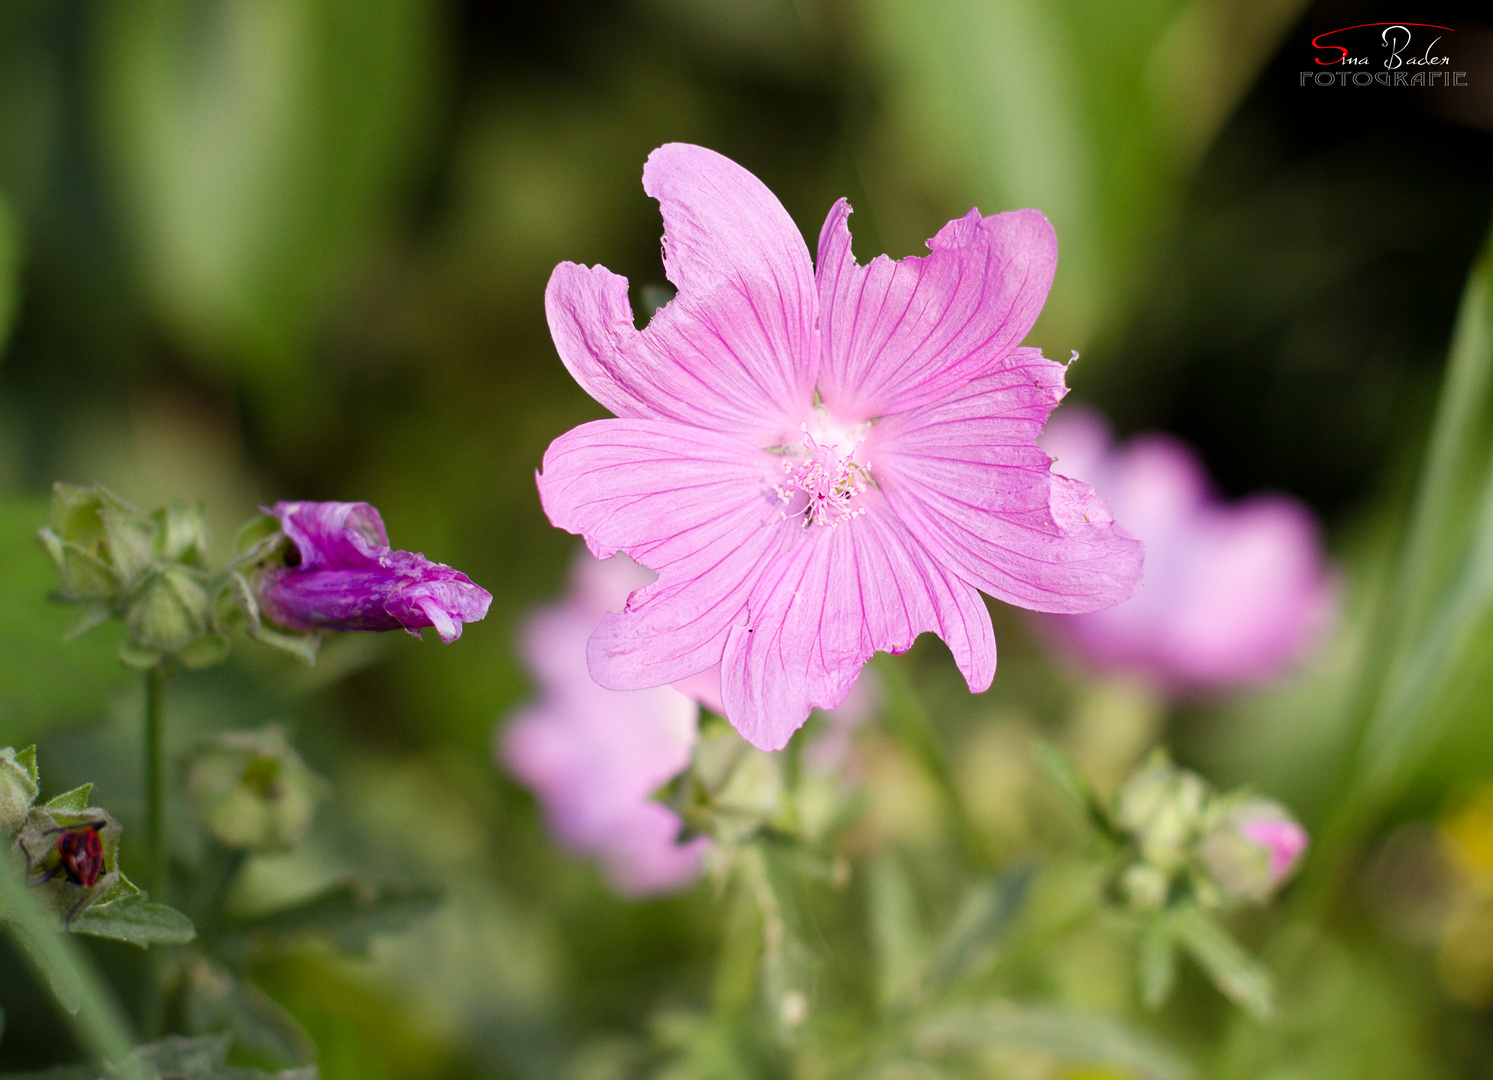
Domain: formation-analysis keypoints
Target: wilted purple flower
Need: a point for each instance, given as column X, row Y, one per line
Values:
column 1253, row 850
column 1233, row 593
column 595, row 756
column 341, row 574
column 817, row 468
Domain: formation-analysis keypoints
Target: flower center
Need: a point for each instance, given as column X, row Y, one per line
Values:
column 821, row 476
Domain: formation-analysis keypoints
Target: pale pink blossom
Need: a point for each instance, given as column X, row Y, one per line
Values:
column 595, row 756
column 1233, row 593
column 1253, row 850
column 820, row 465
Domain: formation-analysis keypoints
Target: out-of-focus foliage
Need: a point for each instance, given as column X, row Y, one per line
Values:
column 262, row 250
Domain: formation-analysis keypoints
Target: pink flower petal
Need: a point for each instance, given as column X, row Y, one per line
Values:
column 697, row 507
column 820, row 612
column 901, row 334
column 968, row 479
column 736, row 350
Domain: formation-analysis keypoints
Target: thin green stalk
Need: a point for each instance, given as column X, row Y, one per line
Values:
column 155, row 784
column 81, row 995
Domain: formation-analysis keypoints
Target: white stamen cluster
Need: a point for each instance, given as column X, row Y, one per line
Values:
column 829, row 479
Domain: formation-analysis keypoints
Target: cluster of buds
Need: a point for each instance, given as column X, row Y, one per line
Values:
column 301, row 569
column 253, row 791
column 1187, row 843
column 148, row 570
column 70, row 849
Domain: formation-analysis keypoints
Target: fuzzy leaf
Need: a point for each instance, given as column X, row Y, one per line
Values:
column 137, row 921
column 1239, row 977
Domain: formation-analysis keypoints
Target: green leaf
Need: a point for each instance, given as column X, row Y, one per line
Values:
column 1430, row 639
column 137, row 921
column 1072, row 1037
column 1239, row 977
column 215, row 1000
column 347, row 915
column 76, row 799
column 988, row 909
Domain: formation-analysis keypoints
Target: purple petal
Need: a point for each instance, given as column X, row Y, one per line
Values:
column 345, row 577
column 968, row 479
column 335, row 534
column 821, row 611
column 695, row 506
column 736, row 350
column 898, row 335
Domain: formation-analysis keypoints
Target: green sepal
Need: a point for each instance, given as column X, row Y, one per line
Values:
column 208, row 651
column 304, row 646
column 74, row 800
column 180, row 535
column 133, row 656
column 27, row 760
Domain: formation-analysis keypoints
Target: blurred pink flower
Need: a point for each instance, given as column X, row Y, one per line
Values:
column 343, row 575
column 818, row 468
column 1253, row 850
column 1232, row 594
column 595, row 756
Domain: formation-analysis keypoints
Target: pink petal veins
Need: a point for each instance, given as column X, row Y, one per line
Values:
column 969, row 481
column 898, row 335
column 819, row 612
column 737, row 349
column 697, row 507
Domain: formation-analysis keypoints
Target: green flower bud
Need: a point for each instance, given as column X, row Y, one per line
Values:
column 171, row 611
column 72, row 854
column 18, row 786
column 1161, row 807
column 181, row 535
column 1144, row 886
column 253, row 790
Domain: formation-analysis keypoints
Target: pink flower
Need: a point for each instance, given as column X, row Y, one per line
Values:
column 595, row 756
column 342, row 575
column 1233, row 593
column 817, row 467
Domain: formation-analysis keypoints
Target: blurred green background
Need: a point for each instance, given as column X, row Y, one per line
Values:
column 297, row 249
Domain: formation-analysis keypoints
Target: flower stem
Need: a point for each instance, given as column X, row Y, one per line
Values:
column 155, row 784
